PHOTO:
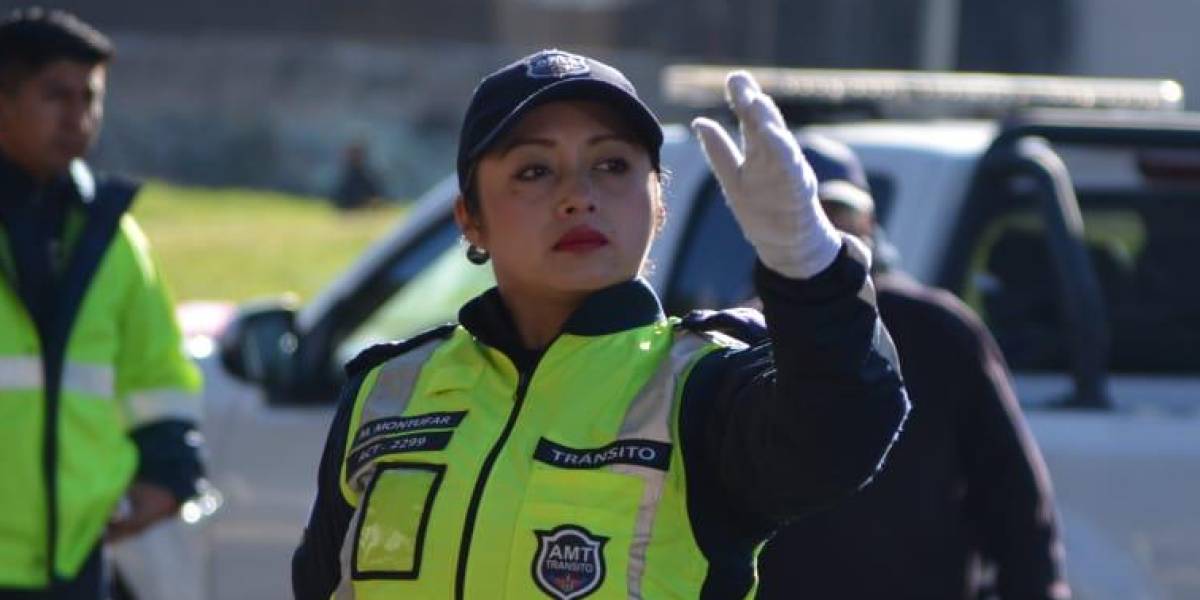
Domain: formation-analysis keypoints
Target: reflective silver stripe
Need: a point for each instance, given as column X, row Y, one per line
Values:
column 147, row 406
column 389, row 396
column 25, row 373
column 20, row 373
column 345, row 586
column 882, row 341
column 649, row 418
column 861, row 254
column 90, row 379
column 883, row 344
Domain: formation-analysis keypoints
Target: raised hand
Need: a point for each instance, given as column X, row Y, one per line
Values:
column 768, row 184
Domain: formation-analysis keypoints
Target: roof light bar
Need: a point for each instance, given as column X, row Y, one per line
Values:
column 703, row 86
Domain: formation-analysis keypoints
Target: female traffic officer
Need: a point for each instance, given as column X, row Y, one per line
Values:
column 567, row 440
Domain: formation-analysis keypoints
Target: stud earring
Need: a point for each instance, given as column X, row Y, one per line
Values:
column 477, row 255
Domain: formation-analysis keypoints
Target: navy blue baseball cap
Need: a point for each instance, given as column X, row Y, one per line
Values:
column 841, row 178
column 505, row 96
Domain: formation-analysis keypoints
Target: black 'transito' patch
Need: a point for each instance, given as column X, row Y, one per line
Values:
column 642, row 453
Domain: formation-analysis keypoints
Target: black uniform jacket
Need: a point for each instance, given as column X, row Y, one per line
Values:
column 797, row 421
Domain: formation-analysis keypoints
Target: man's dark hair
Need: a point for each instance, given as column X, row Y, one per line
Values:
column 31, row 38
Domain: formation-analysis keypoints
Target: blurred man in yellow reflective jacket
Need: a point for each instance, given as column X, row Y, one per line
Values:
column 97, row 400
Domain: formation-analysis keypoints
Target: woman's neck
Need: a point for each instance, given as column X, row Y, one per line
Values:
column 539, row 318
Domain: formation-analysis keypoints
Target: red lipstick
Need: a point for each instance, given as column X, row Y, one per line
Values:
column 580, row 239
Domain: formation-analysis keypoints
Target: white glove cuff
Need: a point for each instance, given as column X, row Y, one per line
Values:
column 807, row 254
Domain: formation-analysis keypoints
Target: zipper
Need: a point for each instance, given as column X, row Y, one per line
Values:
column 464, row 548
column 52, row 363
column 53, row 355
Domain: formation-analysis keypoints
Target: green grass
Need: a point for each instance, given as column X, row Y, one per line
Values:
column 236, row 244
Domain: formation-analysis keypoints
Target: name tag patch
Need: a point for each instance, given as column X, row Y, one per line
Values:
column 642, row 453
column 569, row 562
column 414, row 442
column 394, row 425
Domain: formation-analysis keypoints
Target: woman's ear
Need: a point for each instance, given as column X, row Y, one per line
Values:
column 660, row 204
column 468, row 224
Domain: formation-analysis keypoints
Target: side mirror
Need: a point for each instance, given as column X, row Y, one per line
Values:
column 260, row 345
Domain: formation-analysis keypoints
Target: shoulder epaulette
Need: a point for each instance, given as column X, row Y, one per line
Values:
column 380, row 353
column 743, row 324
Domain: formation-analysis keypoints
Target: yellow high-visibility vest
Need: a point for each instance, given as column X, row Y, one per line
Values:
column 470, row 481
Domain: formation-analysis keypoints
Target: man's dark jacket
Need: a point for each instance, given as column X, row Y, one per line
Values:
column 963, row 484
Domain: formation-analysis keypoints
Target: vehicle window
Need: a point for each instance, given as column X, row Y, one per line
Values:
column 431, row 288
column 417, row 257
column 715, row 263
column 1139, row 241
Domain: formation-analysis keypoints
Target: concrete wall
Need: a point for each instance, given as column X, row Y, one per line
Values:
column 380, row 20
column 278, row 110
column 1148, row 38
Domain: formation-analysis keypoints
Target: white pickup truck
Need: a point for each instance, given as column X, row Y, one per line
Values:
column 1070, row 230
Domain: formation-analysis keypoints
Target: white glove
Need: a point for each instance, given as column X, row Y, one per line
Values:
column 770, row 188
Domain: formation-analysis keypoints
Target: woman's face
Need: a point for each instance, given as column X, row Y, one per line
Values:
column 567, row 201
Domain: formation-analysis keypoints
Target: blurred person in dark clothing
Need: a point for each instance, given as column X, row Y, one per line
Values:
column 964, row 491
column 358, row 186
column 98, row 402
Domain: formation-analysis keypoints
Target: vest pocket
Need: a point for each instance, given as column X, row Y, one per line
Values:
column 574, row 534
column 393, row 520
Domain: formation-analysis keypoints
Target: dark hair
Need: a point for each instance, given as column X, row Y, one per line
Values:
column 471, row 193
column 31, row 38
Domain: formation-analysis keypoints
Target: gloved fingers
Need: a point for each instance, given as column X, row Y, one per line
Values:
column 776, row 115
column 774, row 126
column 763, row 127
column 747, row 100
column 722, row 152
column 763, row 115
column 740, row 90
column 772, row 147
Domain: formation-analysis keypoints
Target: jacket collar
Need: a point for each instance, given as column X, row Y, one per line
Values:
column 15, row 184
column 616, row 308
column 77, row 186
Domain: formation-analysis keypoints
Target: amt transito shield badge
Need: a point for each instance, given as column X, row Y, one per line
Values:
column 569, row 562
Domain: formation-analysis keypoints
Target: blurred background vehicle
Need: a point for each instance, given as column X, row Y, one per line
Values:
column 1066, row 228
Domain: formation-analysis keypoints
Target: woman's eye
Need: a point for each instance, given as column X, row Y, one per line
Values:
column 532, row 172
column 614, row 165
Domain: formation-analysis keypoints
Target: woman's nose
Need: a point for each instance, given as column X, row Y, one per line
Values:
column 577, row 196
